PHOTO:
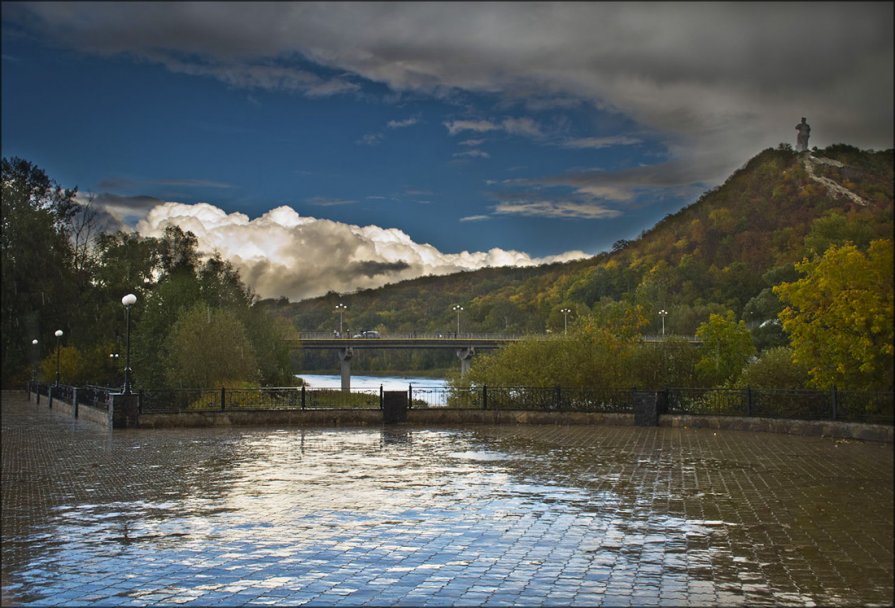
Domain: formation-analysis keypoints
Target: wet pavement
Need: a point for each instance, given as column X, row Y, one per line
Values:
column 486, row 515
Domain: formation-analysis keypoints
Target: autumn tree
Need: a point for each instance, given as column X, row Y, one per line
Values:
column 726, row 347
column 209, row 347
column 839, row 316
column 774, row 369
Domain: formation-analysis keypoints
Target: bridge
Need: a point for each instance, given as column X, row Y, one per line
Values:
column 463, row 344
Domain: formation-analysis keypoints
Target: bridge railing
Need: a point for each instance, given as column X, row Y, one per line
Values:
column 451, row 335
column 445, row 335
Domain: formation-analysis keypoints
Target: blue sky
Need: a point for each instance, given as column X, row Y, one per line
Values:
column 343, row 146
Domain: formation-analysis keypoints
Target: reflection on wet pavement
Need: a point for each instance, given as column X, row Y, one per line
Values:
column 414, row 516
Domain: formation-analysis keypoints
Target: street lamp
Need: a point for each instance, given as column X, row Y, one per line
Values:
column 565, row 319
column 341, row 308
column 36, row 357
column 58, row 335
column 128, row 301
column 114, row 359
column 663, row 313
column 458, row 308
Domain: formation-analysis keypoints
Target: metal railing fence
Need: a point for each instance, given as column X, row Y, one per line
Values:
column 267, row 398
column 96, row 396
column 845, row 406
column 872, row 407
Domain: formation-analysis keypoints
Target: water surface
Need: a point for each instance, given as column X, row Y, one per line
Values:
column 449, row 516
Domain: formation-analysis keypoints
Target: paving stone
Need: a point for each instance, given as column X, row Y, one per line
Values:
column 478, row 515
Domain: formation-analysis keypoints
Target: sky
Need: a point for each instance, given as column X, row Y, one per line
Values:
column 342, row 146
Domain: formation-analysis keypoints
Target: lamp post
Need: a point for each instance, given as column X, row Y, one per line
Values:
column 341, row 308
column 565, row 320
column 113, row 357
column 36, row 357
column 458, row 309
column 662, row 314
column 128, row 301
column 58, row 335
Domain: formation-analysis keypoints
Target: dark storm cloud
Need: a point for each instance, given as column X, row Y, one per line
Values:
column 714, row 82
column 137, row 204
column 115, row 212
column 372, row 269
column 623, row 185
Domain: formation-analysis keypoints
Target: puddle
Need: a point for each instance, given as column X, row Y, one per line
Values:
column 192, row 516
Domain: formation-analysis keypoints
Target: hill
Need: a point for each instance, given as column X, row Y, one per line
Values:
column 724, row 251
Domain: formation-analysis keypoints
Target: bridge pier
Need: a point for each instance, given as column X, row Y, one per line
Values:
column 465, row 355
column 345, row 355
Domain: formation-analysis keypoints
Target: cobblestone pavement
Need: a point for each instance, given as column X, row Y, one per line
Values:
column 494, row 516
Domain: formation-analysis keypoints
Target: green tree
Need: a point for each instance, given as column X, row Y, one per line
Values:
column 591, row 355
column 70, row 366
column 38, row 280
column 839, row 316
column 774, row 369
column 153, row 316
column 726, row 347
column 268, row 335
column 208, row 348
column 220, row 284
column 835, row 228
column 669, row 363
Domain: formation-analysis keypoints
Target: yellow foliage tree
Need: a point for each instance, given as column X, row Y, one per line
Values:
column 210, row 348
column 839, row 317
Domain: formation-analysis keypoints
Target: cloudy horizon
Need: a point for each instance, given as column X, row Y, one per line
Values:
column 273, row 252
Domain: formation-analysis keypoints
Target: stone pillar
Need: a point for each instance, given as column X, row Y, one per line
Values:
column 465, row 355
column 394, row 407
column 646, row 408
column 125, row 411
column 345, row 355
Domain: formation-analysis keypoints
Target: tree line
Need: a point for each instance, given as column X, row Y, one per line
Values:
column 813, row 308
column 195, row 323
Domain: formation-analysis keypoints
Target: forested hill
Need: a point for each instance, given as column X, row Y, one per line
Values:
column 724, row 251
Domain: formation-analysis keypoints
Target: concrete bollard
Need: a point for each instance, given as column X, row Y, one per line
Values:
column 125, row 411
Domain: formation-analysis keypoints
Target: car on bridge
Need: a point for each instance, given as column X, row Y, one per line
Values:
column 367, row 334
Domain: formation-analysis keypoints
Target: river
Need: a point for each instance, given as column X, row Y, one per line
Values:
column 433, row 391
column 388, row 383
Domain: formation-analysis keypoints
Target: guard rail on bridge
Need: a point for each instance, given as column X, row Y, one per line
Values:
column 322, row 340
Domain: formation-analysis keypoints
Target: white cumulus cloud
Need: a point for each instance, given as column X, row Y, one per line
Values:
column 284, row 254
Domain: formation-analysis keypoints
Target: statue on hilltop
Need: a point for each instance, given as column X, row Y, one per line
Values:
column 802, row 138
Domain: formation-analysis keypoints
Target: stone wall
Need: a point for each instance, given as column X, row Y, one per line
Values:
column 346, row 417
column 463, row 416
column 94, row 415
column 810, row 428
column 450, row 417
column 470, row 416
column 87, row 413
